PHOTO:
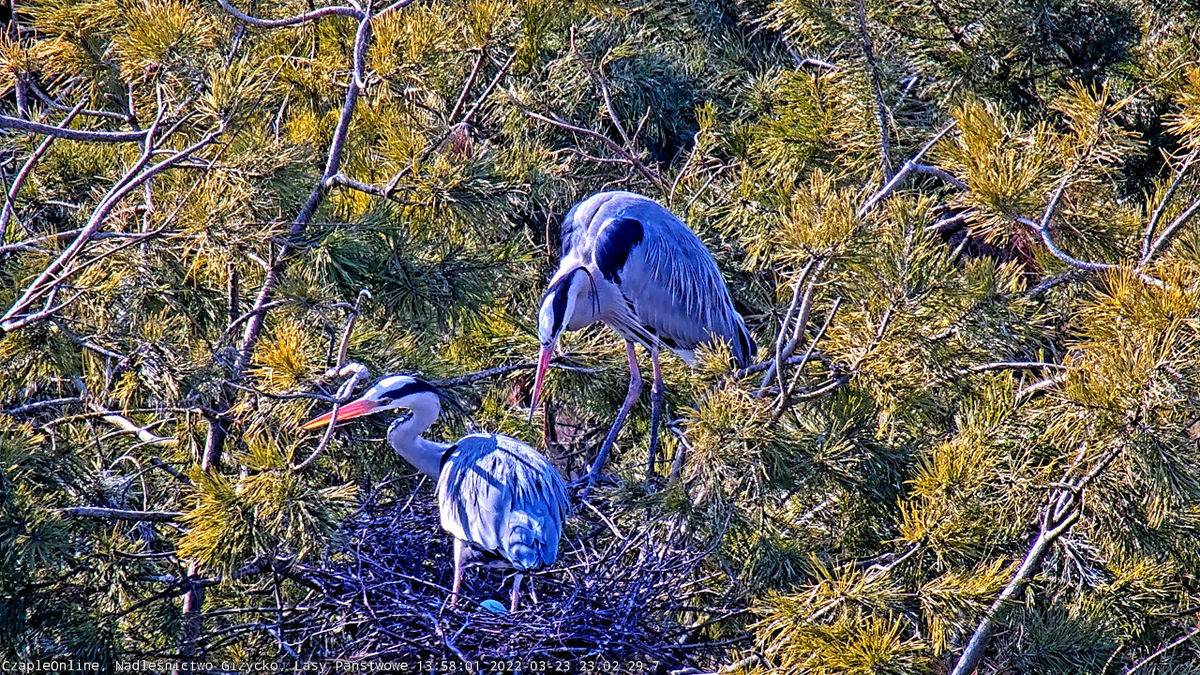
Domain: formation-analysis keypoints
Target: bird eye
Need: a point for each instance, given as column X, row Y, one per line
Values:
column 386, row 400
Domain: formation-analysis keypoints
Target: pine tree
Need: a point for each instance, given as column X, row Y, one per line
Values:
column 962, row 233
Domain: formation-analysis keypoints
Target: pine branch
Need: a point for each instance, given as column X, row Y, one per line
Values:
column 1060, row 513
column 10, row 197
column 339, row 10
column 913, row 165
column 18, row 124
column 881, row 110
column 633, row 160
column 121, row 514
column 1156, row 215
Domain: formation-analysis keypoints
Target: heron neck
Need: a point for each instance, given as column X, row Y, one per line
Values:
column 584, row 304
column 406, row 438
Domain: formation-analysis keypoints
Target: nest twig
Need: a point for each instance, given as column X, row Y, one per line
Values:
column 609, row 597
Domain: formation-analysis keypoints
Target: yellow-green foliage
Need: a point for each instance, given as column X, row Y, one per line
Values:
column 863, row 519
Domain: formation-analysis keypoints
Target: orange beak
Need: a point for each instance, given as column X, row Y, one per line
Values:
column 347, row 412
column 540, row 379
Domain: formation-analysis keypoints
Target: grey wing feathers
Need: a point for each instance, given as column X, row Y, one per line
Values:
column 502, row 496
column 666, row 272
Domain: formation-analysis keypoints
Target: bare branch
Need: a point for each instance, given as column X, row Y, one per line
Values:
column 466, row 90
column 40, row 405
column 1170, row 230
column 1041, row 385
column 470, row 378
column 816, row 63
column 1191, row 632
column 123, row 423
column 18, row 124
column 912, row 165
column 390, row 187
column 340, row 10
column 11, row 197
column 1152, row 225
column 881, row 111
column 399, row 4
column 785, row 394
column 610, row 143
column 784, row 351
column 1060, row 513
column 121, row 514
column 608, row 105
column 353, row 373
column 1057, row 252
column 82, row 111
column 133, row 178
column 332, row 165
column 487, row 92
column 1011, row 365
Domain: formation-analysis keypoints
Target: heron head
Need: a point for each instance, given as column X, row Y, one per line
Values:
column 390, row 393
column 558, row 308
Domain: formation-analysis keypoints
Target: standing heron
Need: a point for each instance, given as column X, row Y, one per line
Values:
column 629, row 263
column 496, row 495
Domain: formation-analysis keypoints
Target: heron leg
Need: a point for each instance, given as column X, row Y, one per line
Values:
column 631, row 397
column 656, row 412
column 460, row 551
column 516, row 591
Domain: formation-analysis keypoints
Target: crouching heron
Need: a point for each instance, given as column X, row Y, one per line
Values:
column 495, row 494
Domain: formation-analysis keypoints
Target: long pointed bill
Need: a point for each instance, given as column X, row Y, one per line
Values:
column 349, row 411
column 540, row 379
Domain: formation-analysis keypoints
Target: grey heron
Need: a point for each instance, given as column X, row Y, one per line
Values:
column 629, row 263
column 496, row 495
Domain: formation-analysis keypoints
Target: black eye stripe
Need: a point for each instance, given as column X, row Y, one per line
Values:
column 560, row 309
column 558, row 306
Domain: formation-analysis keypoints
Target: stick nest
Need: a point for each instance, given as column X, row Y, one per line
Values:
column 617, row 596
